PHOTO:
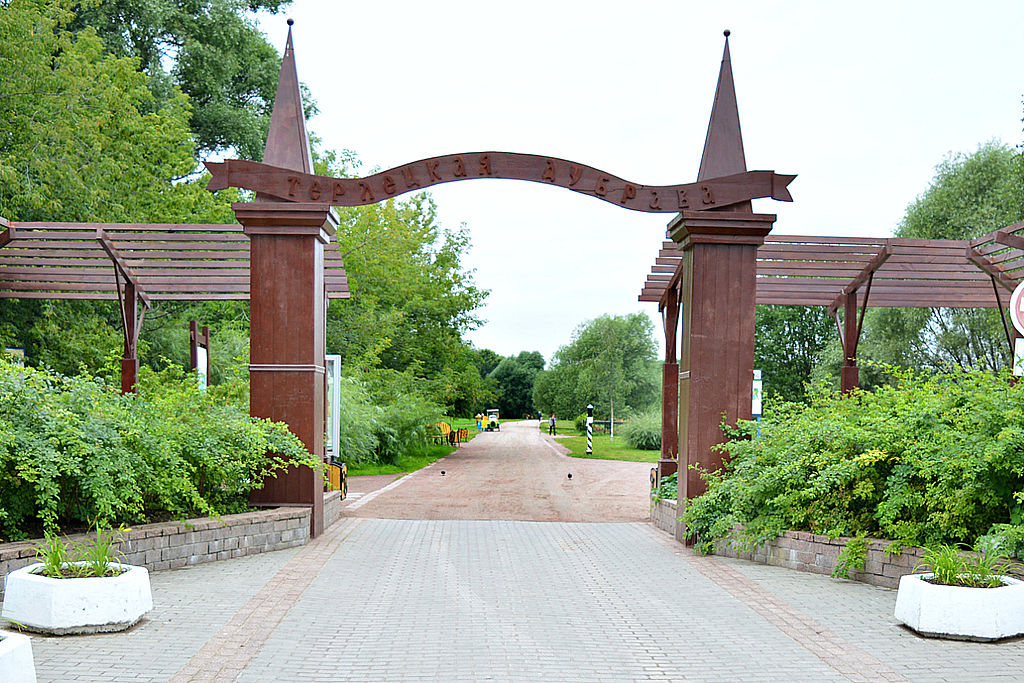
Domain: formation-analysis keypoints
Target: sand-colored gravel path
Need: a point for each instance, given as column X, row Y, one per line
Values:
column 517, row 473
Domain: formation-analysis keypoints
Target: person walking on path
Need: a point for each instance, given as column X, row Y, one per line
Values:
column 551, row 425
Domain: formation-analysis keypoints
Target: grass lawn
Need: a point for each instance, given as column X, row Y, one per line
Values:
column 561, row 427
column 606, row 449
column 405, row 464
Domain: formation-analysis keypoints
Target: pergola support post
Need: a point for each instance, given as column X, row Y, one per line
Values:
column 287, row 337
column 849, row 378
column 669, row 462
column 130, row 320
column 718, row 290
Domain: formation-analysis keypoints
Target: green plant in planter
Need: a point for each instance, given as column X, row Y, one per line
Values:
column 53, row 553
column 64, row 558
column 98, row 556
column 950, row 567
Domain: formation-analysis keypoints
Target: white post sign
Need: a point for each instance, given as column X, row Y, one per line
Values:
column 333, row 445
column 755, row 403
column 202, row 366
column 1017, row 318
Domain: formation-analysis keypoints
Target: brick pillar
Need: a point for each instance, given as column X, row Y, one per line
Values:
column 287, row 336
column 718, row 303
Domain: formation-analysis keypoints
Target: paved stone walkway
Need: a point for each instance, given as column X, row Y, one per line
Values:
column 511, row 599
column 415, row 600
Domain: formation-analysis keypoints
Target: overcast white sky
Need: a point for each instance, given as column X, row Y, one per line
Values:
column 862, row 100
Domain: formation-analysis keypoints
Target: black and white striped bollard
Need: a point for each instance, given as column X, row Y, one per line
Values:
column 590, row 429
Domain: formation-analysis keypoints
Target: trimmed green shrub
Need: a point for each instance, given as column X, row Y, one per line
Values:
column 580, row 423
column 74, row 452
column 924, row 461
column 644, row 431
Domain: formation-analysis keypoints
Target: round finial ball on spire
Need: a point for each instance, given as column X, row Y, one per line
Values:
column 290, row 21
column 726, row 33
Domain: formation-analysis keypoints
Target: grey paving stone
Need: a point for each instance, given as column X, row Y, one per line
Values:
column 410, row 600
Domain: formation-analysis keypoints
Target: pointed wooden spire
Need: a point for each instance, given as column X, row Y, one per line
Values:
column 287, row 142
column 723, row 147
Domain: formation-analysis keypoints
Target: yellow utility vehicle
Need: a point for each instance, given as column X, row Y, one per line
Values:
column 492, row 420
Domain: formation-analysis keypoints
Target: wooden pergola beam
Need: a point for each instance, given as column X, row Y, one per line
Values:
column 874, row 264
column 990, row 268
column 165, row 261
column 1008, row 239
column 104, row 240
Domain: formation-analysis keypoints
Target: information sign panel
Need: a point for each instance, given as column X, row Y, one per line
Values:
column 332, row 443
column 755, row 403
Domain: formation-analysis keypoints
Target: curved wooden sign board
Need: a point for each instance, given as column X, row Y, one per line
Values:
column 302, row 187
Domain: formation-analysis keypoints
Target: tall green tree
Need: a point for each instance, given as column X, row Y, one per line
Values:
column 83, row 138
column 970, row 195
column 788, row 343
column 486, row 360
column 513, row 379
column 610, row 362
column 211, row 50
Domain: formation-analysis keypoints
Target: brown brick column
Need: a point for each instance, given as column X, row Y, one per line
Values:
column 718, row 301
column 287, row 336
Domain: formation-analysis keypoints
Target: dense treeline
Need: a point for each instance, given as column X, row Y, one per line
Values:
column 610, row 363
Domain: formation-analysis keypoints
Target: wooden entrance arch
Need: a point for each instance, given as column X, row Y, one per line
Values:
column 291, row 221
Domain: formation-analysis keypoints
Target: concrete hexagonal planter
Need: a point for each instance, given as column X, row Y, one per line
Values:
column 16, row 665
column 85, row 605
column 959, row 612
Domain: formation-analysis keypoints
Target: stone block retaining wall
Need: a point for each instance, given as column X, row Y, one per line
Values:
column 663, row 515
column 332, row 507
column 170, row 545
column 809, row 552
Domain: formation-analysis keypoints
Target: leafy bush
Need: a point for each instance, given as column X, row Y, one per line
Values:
column 74, row 451
column 372, row 433
column 668, row 488
column 852, row 558
column 644, row 431
column 924, row 461
column 580, row 423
